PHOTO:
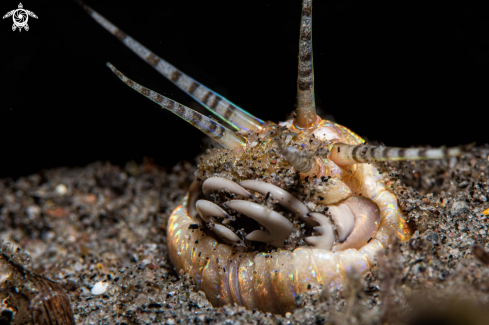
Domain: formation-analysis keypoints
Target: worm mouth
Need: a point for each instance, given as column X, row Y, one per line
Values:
column 258, row 216
column 259, row 200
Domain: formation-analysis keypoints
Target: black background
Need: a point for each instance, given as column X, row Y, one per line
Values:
column 400, row 72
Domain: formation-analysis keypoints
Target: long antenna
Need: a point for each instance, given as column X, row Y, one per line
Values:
column 216, row 131
column 218, row 105
column 306, row 106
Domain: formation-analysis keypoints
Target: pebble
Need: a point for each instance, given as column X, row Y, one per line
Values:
column 99, row 288
column 61, row 189
column 33, row 211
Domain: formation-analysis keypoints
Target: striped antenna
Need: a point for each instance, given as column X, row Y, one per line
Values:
column 218, row 105
column 306, row 106
column 345, row 154
column 216, row 131
column 305, row 165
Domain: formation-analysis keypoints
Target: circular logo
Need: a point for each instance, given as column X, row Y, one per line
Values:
column 20, row 18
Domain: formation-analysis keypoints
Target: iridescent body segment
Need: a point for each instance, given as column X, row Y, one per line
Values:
column 265, row 281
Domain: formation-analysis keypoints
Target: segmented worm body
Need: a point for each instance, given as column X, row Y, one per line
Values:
column 281, row 207
column 269, row 280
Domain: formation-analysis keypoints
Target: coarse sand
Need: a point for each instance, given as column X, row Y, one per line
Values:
column 99, row 231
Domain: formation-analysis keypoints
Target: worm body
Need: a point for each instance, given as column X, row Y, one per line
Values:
column 269, row 280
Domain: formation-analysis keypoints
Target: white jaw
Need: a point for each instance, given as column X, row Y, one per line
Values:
column 351, row 223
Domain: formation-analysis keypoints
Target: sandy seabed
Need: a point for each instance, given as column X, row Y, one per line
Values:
column 106, row 224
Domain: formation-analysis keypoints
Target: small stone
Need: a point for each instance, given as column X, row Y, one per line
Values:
column 146, row 262
column 433, row 237
column 459, row 207
column 90, row 198
column 57, row 212
column 61, row 189
column 99, row 288
column 141, row 299
column 153, row 266
column 77, row 267
column 311, row 206
column 33, row 211
column 298, row 300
